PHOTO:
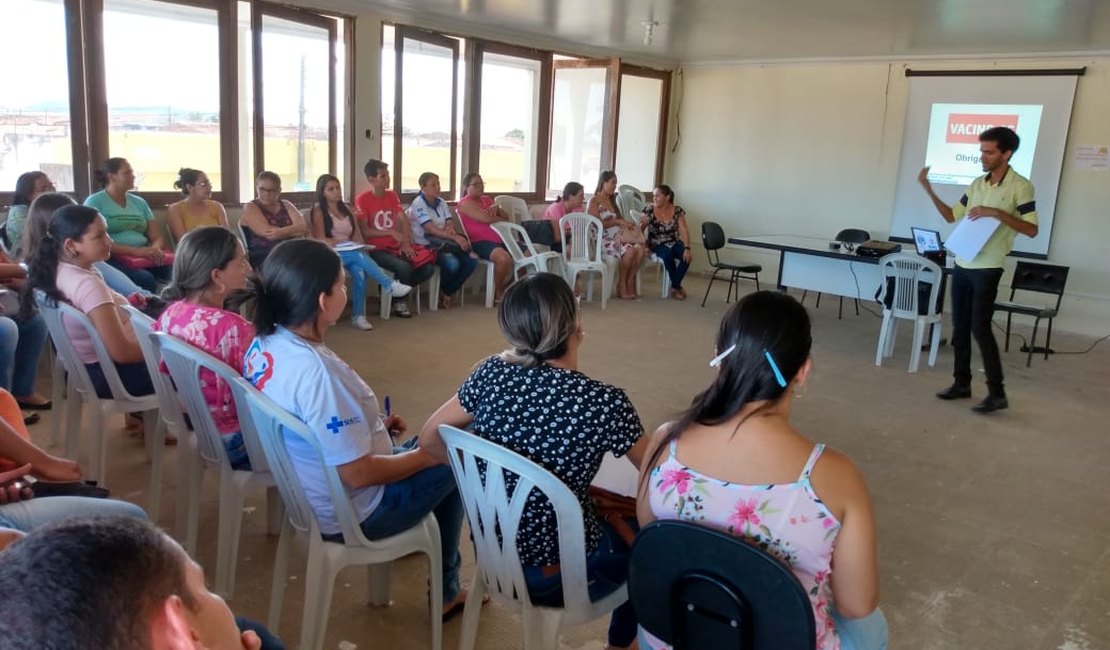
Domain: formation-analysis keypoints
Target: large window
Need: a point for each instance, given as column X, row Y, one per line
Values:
column 162, row 84
column 639, row 137
column 35, row 125
column 579, row 124
column 511, row 95
column 297, row 107
column 419, row 109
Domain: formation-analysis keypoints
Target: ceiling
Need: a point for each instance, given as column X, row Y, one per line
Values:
column 709, row 31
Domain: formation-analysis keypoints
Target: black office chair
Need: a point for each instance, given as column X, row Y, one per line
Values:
column 699, row 588
column 849, row 238
column 713, row 238
column 1038, row 278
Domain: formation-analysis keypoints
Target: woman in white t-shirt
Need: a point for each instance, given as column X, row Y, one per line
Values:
column 298, row 295
column 61, row 266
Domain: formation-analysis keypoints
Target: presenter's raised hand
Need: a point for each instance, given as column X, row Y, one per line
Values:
column 923, row 178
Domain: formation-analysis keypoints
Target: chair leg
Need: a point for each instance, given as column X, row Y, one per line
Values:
column 1048, row 340
column 541, row 628
column 377, row 583
column 936, row 344
column 58, row 398
column 98, row 458
column 75, row 403
column 711, row 279
column 317, row 597
column 733, row 285
column 281, row 575
column 154, row 501
column 229, row 527
column 818, row 303
column 1009, row 318
column 804, row 294
column 918, row 337
column 883, row 333
column 190, row 481
column 840, row 310
column 468, row 635
column 1032, row 343
column 275, row 512
column 757, row 282
column 857, row 306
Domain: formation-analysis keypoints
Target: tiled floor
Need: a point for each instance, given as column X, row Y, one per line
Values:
column 994, row 531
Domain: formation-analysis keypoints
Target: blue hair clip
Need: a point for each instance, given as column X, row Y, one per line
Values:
column 775, row 369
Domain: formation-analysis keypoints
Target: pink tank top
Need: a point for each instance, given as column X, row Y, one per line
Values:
column 787, row 520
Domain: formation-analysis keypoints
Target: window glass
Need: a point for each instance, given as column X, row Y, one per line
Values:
column 295, row 107
column 509, row 124
column 162, row 80
column 638, row 129
column 34, row 102
column 577, row 118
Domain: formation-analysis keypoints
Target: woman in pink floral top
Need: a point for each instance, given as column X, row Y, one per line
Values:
column 735, row 463
column 209, row 266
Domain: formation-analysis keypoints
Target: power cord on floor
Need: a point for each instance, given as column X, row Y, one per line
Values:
column 1025, row 342
column 866, row 308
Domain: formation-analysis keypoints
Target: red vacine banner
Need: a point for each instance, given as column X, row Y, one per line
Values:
column 966, row 127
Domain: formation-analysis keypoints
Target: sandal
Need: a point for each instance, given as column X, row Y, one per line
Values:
column 458, row 607
column 33, row 406
column 30, row 418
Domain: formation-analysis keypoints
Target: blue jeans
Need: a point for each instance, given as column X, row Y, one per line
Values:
column 484, row 249
column 21, row 344
column 118, row 281
column 408, row 501
column 25, row 516
column 454, row 269
column 359, row 267
column 145, row 278
column 671, row 255
column 867, row 633
column 606, row 570
column 237, row 451
column 134, row 376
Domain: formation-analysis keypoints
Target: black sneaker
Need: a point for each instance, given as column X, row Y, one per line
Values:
column 955, row 391
column 991, row 404
column 401, row 309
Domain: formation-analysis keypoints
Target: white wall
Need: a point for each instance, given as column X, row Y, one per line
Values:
column 808, row 149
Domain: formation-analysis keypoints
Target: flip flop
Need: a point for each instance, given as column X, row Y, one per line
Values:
column 458, row 608
column 30, row 418
column 27, row 406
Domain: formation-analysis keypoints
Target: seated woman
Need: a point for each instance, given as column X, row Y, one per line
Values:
column 733, row 461
column 334, row 224
column 138, row 247
column 269, row 219
column 668, row 236
column 603, row 205
column 197, row 208
column 21, row 343
column 570, row 201
column 298, row 295
column 210, row 266
column 508, row 400
column 38, row 219
column 28, row 187
column 477, row 211
column 434, row 226
column 62, row 268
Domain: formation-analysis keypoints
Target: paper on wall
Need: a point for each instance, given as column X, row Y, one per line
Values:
column 1092, row 157
column 970, row 235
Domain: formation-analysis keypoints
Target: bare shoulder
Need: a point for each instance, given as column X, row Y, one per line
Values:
column 838, row 481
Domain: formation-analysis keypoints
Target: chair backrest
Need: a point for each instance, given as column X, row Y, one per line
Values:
column 53, row 314
column 1040, row 278
column 629, row 205
column 514, row 236
column 514, row 206
column 169, row 406
column 585, row 238
column 695, row 587
column 853, row 236
column 262, row 419
column 906, row 274
column 631, row 192
column 712, row 236
column 185, row 363
column 494, row 516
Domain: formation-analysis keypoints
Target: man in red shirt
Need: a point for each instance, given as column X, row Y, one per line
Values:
column 384, row 225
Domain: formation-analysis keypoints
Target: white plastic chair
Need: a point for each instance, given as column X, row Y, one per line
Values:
column 582, row 254
column 494, row 519
column 268, row 423
column 514, row 206
column 79, row 389
column 481, row 262
column 185, row 363
column 524, row 253
column 909, row 271
column 168, row 410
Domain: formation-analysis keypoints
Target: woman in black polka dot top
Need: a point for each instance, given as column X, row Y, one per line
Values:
column 533, row 400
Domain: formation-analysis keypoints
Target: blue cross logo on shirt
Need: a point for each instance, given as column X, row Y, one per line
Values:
column 335, row 424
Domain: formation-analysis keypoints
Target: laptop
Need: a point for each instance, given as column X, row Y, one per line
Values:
column 926, row 241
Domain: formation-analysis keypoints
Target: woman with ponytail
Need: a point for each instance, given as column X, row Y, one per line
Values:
column 298, row 295
column 531, row 399
column 210, row 267
column 734, row 461
column 61, row 266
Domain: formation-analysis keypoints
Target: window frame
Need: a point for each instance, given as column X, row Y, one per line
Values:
column 304, row 17
column 400, row 33
column 665, row 103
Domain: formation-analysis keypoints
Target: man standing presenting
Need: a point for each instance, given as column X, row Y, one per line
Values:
column 1001, row 194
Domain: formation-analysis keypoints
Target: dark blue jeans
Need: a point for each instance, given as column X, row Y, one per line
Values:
column 671, row 255
column 606, row 570
column 408, row 501
column 21, row 343
column 134, row 376
column 454, row 269
column 973, row 294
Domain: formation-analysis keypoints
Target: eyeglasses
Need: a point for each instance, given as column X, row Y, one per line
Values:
column 268, row 190
column 203, row 184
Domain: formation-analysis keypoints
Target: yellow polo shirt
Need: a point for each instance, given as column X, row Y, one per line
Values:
column 1014, row 195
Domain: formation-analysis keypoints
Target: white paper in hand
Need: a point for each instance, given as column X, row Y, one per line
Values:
column 350, row 246
column 970, row 235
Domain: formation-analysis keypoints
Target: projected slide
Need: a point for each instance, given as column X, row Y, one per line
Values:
column 952, row 151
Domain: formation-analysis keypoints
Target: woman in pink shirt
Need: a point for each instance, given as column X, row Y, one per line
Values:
column 571, row 200
column 210, row 265
column 477, row 211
